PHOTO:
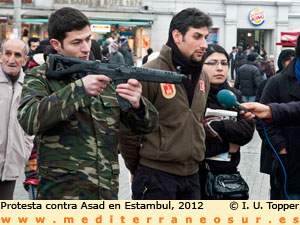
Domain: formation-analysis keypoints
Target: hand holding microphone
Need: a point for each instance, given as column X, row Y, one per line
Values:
column 260, row 110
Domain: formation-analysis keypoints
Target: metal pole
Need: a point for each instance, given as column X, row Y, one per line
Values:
column 17, row 19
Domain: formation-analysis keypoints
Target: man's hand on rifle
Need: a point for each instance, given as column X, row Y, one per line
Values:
column 131, row 91
column 94, row 84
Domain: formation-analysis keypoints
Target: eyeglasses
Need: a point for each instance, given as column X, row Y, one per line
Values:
column 217, row 63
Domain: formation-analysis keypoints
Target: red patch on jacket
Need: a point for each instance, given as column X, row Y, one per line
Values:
column 202, row 85
column 168, row 90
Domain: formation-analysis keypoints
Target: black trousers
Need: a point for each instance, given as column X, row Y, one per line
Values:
column 274, row 191
column 233, row 68
column 7, row 189
column 152, row 184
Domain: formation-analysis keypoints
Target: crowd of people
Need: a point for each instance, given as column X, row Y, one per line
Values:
column 239, row 55
column 67, row 133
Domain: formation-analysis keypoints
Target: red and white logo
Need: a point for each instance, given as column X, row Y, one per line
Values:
column 168, row 90
column 257, row 17
column 202, row 85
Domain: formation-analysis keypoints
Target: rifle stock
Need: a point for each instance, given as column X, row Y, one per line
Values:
column 61, row 66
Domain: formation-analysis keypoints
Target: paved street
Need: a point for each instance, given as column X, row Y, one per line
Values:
column 249, row 168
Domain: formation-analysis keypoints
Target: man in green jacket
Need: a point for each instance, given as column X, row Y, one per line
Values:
column 78, row 118
column 166, row 163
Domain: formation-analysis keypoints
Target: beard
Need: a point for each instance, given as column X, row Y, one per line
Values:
column 195, row 59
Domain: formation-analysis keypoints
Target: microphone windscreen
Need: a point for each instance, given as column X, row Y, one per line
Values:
column 227, row 98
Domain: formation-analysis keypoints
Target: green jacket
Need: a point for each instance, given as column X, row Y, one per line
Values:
column 178, row 145
column 78, row 157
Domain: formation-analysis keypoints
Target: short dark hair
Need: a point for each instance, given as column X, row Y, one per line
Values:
column 297, row 48
column 284, row 55
column 33, row 39
column 42, row 46
column 95, row 48
column 190, row 17
column 149, row 51
column 251, row 57
column 66, row 20
column 212, row 48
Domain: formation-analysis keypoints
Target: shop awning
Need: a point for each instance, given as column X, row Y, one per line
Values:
column 34, row 20
column 121, row 18
column 289, row 38
column 124, row 23
column 145, row 22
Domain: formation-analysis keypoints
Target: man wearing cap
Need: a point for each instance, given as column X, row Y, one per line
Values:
column 126, row 52
column 115, row 55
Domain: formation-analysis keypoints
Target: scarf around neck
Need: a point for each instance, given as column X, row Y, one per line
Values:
column 213, row 91
column 190, row 68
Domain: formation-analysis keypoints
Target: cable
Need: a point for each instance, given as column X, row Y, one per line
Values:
column 283, row 169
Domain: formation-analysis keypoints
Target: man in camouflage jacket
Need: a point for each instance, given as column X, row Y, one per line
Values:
column 78, row 119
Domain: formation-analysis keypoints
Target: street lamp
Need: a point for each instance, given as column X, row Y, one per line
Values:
column 17, row 19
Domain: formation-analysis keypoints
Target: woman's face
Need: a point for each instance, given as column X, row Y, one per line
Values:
column 216, row 65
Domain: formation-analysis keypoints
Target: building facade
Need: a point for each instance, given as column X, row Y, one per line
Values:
column 235, row 22
column 145, row 23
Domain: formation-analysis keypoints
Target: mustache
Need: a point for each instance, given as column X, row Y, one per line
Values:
column 12, row 64
column 192, row 56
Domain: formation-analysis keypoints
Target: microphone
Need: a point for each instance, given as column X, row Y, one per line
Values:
column 228, row 99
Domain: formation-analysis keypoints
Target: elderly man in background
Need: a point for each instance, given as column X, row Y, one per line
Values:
column 15, row 145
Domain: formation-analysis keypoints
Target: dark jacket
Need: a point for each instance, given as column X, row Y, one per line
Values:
column 126, row 52
column 260, row 89
column 117, row 57
column 239, row 132
column 266, row 157
column 145, row 59
column 240, row 55
column 235, row 60
column 248, row 79
column 285, row 114
column 283, row 88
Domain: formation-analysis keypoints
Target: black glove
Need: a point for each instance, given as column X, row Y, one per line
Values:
column 212, row 125
column 277, row 170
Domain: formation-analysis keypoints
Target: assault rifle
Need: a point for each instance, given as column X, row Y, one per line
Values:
column 61, row 66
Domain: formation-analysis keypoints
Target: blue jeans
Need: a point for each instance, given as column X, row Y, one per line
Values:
column 248, row 98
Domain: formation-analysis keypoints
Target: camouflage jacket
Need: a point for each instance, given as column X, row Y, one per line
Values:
column 78, row 156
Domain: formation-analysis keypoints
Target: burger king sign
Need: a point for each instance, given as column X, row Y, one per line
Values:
column 257, row 17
